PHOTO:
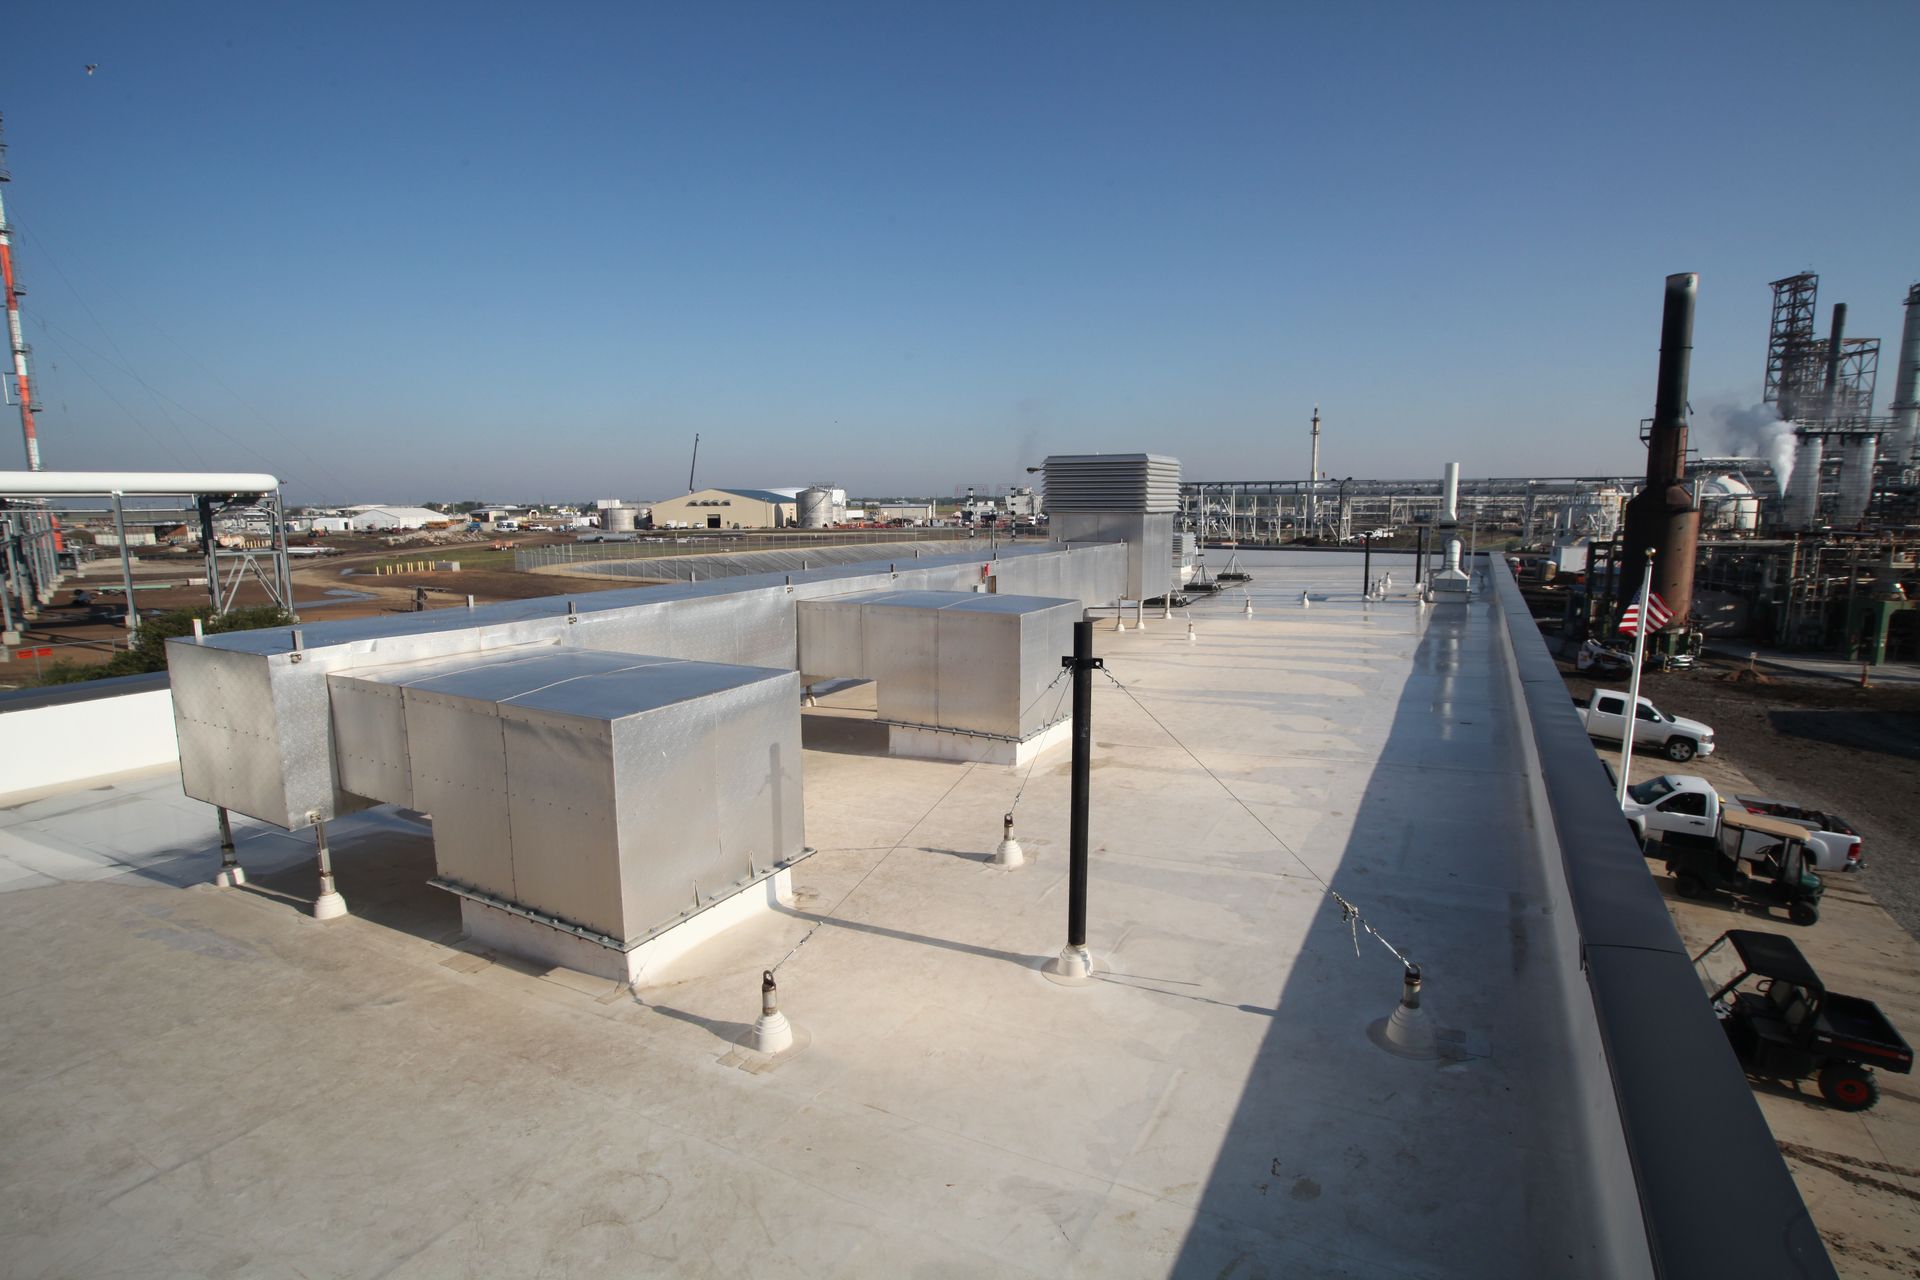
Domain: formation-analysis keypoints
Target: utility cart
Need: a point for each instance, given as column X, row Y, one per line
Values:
column 1758, row 860
column 1784, row 1024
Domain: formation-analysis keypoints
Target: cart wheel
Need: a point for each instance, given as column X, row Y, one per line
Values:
column 1849, row 1087
column 1690, row 885
column 1803, row 912
column 1680, row 750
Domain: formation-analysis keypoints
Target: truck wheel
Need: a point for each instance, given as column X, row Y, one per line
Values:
column 1679, row 750
column 1690, row 885
column 1849, row 1087
column 1803, row 912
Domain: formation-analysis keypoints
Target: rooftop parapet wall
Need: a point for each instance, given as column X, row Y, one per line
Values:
column 1680, row 1132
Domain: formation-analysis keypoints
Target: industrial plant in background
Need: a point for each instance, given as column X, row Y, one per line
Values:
column 1848, row 464
column 1822, row 553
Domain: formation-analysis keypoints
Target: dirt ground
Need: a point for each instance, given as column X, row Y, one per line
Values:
column 1859, row 1172
column 1820, row 742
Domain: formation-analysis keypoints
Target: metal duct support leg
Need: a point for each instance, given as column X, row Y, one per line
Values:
column 329, row 905
column 230, row 875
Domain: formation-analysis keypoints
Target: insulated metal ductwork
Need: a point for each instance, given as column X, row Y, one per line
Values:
column 1662, row 516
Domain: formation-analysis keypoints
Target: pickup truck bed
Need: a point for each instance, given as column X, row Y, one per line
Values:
column 1858, row 1025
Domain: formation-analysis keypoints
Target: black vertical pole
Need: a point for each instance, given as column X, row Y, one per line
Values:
column 1082, row 664
column 1366, row 563
column 1420, row 558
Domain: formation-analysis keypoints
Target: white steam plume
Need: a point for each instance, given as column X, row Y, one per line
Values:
column 1753, row 431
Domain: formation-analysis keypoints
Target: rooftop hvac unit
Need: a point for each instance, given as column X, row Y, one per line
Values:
column 1112, row 482
column 1119, row 497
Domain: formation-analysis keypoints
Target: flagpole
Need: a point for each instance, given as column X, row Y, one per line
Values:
column 1633, row 686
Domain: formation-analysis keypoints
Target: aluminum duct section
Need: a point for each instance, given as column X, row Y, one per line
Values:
column 950, row 662
column 252, row 711
column 604, row 796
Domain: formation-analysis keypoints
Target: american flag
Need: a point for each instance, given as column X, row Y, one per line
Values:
column 1658, row 615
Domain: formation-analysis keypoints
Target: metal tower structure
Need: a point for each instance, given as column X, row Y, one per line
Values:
column 20, row 353
column 1794, row 356
column 1313, row 477
column 1858, row 374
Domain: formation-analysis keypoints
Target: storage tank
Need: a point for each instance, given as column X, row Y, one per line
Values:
column 1729, row 502
column 815, row 507
column 620, row 519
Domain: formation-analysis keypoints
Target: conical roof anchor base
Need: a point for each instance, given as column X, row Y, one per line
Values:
column 1409, row 1031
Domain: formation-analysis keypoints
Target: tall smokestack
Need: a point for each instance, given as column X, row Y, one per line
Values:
column 1313, row 478
column 1831, row 388
column 1662, row 515
column 1905, row 437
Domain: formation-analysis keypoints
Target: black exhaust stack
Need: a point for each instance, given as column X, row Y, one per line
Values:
column 1662, row 517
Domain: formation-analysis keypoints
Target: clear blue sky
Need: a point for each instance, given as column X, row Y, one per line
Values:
column 417, row 251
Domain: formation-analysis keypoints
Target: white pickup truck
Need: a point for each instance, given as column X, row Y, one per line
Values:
column 1679, row 739
column 1684, row 804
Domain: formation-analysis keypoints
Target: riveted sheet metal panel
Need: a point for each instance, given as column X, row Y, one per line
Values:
column 978, row 671
column 1149, row 539
column 667, row 814
column 1046, row 636
column 229, row 736
column 560, row 810
column 370, row 739
column 832, row 639
column 903, row 648
column 459, row 761
column 757, row 756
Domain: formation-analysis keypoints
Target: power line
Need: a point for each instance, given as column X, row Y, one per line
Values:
column 288, row 438
column 131, row 417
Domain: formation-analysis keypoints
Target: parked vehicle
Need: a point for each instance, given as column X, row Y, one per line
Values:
column 1784, row 1024
column 1594, row 656
column 1778, row 877
column 1605, row 715
column 1835, row 826
column 1685, row 804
